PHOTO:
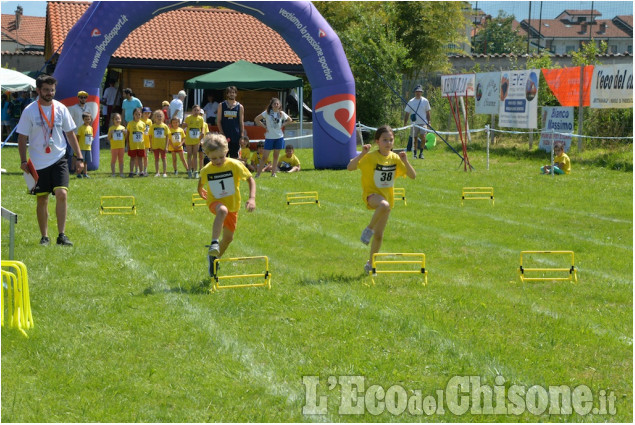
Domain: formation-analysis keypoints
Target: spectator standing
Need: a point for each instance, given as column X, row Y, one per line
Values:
column 109, row 98
column 210, row 109
column 6, row 119
column 230, row 119
column 418, row 113
column 177, row 106
column 129, row 104
column 44, row 124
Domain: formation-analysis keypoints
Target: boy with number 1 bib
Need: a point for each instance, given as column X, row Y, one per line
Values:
column 379, row 169
column 219, row 185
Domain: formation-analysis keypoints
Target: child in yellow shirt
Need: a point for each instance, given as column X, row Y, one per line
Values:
column 159, row 135
column 379, row 169
column 85, row 139
column 117, row 138
column 561, row 162
column 145, row 117
column 258, row 155
column 175, row 146
column 289, row 163
column 245, row 153
column 219, row 185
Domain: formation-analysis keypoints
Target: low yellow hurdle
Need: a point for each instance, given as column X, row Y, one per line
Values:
column 421, row 261
column 472, row 193
column 130, row 209
column 18, row 300
column 399, row 193
column 197, row 201
column 573, row 275
column 302, row 198
column 266, row 275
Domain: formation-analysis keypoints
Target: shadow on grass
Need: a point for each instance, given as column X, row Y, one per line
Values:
column 332, row 278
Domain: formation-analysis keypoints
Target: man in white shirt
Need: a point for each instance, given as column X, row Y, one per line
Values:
column 109, row 98
column 176, row 106
column 210, row 109
column 43, row 125
column 418, row 113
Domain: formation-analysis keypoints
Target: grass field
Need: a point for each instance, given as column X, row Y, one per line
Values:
column 126, row 330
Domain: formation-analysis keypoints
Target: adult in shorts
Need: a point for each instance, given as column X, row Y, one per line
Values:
column 43, row 124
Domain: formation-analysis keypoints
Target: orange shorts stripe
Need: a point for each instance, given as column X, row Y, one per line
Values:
column 230, row 221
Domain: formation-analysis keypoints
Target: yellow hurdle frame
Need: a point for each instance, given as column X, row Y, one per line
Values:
column 467, row 194
column 197, row 201
column 266, row 275
column 573, row 275
column 399, row 193
column 18, row 298
column 421, row 261
column 120, row 209
column 301, row 198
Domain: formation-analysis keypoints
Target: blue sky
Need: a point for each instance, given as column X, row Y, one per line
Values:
column 520, row 9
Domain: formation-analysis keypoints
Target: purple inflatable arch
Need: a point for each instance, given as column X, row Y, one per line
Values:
column 104, row 26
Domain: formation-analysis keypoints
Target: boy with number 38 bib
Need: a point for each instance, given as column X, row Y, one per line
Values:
column 379, row 169
column 219, row 184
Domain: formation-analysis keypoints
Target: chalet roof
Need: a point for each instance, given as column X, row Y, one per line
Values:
column 30, row 33
column 575, row 12
column 161, row 39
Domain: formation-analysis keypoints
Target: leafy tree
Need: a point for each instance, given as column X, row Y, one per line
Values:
column 371, row 48
column 588, row 54
column 499, row 36
column 426, row 29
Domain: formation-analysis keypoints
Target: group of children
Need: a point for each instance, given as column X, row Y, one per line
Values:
column 144, row 134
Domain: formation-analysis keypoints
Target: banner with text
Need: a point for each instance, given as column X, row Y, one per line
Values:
column 519, row 99
column 565, row 84
column 555, row 121
column 458, row 84
column 487, row 95
column 612, row 86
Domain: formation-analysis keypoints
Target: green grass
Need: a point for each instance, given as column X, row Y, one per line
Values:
column 125, row 329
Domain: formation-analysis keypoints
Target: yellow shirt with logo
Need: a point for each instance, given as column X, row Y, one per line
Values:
column 177, row 136
column 255, row 159
column 245, row 154
column 223, row 183
column 293, row 161
column 117, row 136
column 194, row 131
column 136, row 129
column 85, row 137
column 379, row 173
column 159, row 135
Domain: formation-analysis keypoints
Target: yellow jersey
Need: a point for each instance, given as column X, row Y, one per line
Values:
column 117, row 137
column 379, row 173
column 85, row 137
column 223, row 182
column 135, row 135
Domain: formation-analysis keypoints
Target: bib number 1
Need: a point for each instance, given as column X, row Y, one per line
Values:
column 221, row 184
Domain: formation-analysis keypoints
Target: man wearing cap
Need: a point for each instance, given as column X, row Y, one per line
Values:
column 77, row 111
column 418, row 113
column 176, row 106
column 129, row 104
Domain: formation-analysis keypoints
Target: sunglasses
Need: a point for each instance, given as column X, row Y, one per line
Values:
column 83, row 97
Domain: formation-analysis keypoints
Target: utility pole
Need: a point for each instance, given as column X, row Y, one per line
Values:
column 529, row 28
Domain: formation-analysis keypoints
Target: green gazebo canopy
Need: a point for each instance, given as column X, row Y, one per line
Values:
column 244, row 75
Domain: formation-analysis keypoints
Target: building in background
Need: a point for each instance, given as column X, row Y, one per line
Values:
column 22, row 42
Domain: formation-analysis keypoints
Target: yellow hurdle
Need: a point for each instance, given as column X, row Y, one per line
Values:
column 130, row 208
column 301, row 198
column 400, row 194
column 266, row 275
column 573, row 275
column 16, row 281
column 420, row 261
column 472, row 193
column 197, row 201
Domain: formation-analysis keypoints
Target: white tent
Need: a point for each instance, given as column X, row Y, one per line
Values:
column 15, row 81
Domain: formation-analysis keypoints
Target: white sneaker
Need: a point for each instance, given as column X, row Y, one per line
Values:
column 214, row 249
column 157, row 175
column 367, row 235
column 368, row 268
column 165, row 175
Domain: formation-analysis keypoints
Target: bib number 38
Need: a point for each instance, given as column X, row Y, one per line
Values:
column 385, row 175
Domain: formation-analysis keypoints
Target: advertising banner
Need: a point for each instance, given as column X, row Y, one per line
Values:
column 555, row 121
column 457, row 84
column 564, row 83
column 487, row 95
column 518, row 99
column 612, row 86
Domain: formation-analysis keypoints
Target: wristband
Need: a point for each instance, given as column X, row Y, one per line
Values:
column 80, row 159
column 24, row 162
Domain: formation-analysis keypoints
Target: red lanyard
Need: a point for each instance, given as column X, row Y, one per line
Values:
column 48, row 143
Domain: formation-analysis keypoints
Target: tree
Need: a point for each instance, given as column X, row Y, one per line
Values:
column 498, row 36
